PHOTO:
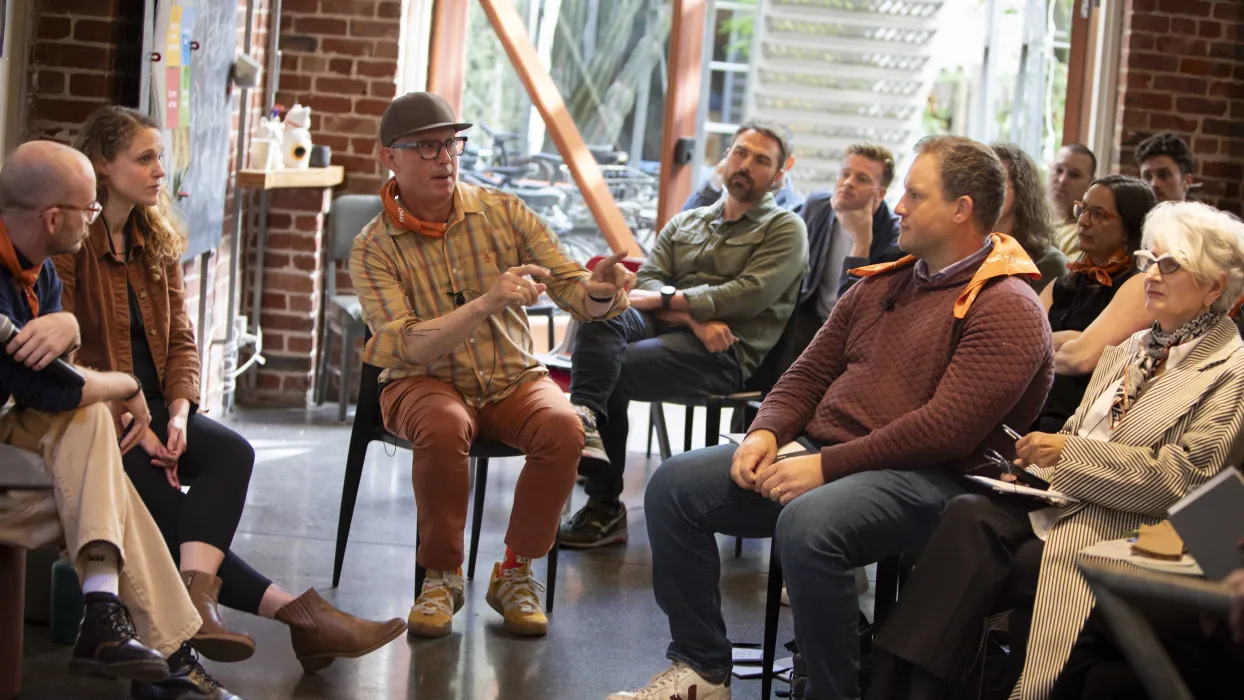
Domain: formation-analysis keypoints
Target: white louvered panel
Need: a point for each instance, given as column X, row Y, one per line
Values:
column 840, row 71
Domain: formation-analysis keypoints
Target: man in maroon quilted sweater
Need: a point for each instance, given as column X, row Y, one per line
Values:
column 902, row 389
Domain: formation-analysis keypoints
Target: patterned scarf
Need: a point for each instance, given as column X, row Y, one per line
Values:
column 1120, row 260
column 1153, row 356
column 25, row 279
column 401, row 217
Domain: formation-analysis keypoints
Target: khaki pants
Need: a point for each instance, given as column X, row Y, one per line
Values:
column 536, row 419
column 92, row 500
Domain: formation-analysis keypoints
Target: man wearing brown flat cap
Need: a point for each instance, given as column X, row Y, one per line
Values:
column 443, row 274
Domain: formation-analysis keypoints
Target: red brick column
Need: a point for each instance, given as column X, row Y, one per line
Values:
column 1183, row 71
column 292, row 290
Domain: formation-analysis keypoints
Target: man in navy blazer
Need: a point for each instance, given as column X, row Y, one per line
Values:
column 848, row 227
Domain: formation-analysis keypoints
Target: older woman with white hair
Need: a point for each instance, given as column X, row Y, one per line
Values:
column 1161, row 415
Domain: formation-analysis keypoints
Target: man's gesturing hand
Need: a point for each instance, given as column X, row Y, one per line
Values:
column 514, row 289
column 608, row 278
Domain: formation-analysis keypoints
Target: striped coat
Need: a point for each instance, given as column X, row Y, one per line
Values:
column 1184, row 429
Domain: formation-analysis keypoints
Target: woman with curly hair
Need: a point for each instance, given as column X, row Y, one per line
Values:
column 125, row 286
column 1026, row 216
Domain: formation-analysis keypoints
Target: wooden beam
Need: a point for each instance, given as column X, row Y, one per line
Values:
column 547, row 99
column 682, row 101
column 447, row 51
column 1078, row 103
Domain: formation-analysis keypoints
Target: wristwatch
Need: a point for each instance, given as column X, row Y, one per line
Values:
column 667, row 296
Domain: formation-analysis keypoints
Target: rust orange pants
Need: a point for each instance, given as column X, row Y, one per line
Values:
column 536, row 418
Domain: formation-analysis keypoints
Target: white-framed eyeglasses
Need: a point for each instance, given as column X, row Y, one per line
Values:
column 1167, row 265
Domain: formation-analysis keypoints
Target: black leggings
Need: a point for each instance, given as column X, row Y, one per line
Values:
column 217, row 467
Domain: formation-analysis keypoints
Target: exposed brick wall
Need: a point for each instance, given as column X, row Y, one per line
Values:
column 1183, row 71
column 87, row 53
column 83, row 54
column 290, row 316
column 340, row 58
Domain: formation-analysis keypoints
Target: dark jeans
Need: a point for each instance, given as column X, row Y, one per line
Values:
column 217, row 464
column 982, row 558
column 633, row 356
column 1211, row 666
column 821, row 537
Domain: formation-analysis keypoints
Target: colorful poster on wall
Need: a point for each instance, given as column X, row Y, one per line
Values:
column 172, row 40
column 184, row 48
column 195, row 41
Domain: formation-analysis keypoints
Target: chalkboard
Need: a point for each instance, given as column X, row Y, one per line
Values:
column 196, row 43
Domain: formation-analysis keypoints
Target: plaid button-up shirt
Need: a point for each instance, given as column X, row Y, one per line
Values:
column 404, row 278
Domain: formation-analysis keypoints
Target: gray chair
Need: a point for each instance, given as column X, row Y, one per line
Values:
column 343, row 315
column 19, row 470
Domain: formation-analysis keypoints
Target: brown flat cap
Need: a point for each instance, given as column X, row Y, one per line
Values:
column 416, row 111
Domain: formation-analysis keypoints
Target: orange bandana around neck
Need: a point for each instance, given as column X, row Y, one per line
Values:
column 25, row 279
column 1007, row 258
column 1120, row 260
column 400, row 216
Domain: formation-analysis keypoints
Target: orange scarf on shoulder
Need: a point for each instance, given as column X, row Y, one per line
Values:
column 1120, row 260
column 402, row 218
column 1007, row 258
column 25, row 278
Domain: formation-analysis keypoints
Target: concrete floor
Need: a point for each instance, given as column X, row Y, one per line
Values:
column 606, row 632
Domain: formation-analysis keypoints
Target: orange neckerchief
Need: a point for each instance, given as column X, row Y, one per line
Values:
column 25, row 278
column 403, row 218
column 1007, row 258
column 1120, row 260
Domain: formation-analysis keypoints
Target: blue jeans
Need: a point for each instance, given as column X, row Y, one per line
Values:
column 822, row 537
column 634, row 356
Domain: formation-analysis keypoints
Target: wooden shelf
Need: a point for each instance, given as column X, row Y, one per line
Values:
column 331, row 176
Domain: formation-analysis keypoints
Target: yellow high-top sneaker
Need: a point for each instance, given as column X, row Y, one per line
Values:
column 512, row 592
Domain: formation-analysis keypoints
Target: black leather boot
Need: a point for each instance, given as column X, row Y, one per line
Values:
column 187, row 680
column 108, row 645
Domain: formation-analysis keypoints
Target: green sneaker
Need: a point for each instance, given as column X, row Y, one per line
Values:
column 595, row 525
column 593, row 447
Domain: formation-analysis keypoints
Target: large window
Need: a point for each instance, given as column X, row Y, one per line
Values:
column 607, row 58
column 891, row 71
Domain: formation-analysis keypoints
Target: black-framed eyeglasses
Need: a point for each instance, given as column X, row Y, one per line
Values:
column 1096, row 214
column 1166, row 264
column 93, row 210
column 431, row 150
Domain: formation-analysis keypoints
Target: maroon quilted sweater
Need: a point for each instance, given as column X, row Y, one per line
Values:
column 875, row 386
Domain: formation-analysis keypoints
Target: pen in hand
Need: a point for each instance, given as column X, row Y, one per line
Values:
column 1011, row 431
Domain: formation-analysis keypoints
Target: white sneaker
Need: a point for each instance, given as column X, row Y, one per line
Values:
column 678, row 682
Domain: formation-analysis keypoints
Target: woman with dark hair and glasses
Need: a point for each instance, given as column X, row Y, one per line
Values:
column 1100, row 300
column 125, row 287
column 1026, row 214
column 983, row 549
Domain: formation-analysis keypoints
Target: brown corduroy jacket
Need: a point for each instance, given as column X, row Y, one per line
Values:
column 95, row 291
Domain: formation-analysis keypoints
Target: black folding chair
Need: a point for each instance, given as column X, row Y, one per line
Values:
column 369, row 427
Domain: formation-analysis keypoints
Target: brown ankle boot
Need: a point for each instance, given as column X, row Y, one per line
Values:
column 213, row 640
column 321, row 633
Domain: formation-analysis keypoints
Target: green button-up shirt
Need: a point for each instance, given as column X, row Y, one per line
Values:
column 745, row 273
